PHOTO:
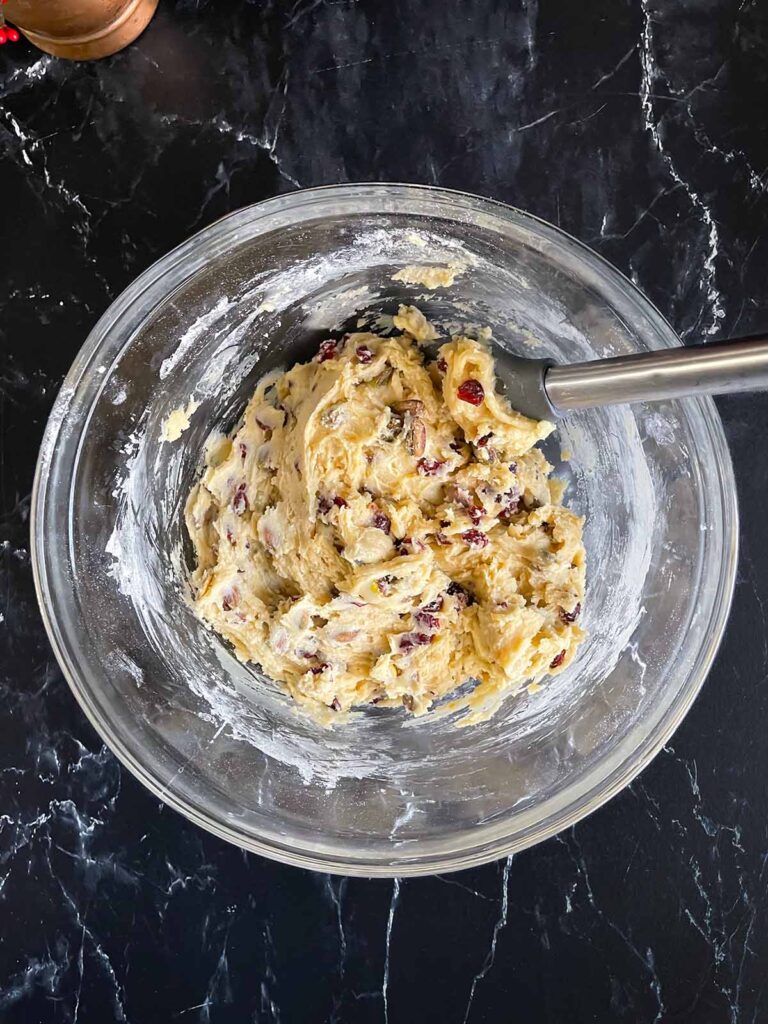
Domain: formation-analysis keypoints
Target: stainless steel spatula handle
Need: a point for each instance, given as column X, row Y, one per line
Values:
column 671, row 373
column 546, row 390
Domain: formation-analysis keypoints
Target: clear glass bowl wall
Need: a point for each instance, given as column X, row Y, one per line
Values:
column 383, row 795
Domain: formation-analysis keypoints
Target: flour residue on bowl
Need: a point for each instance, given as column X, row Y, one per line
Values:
column 221, row 351
column 194, row 332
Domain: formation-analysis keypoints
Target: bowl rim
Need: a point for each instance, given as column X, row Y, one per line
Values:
column 493, row 843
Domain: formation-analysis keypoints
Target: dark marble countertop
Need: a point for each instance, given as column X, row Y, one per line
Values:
column 641, row 127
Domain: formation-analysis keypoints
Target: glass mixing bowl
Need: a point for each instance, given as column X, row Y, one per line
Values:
column 384, row 794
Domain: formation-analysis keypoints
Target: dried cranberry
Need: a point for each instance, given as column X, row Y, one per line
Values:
column 323, row 506
column 483, row 441
column 230, row 537
column 335, row 704
column 475, row 537
column 441, row 538
column 570, row 616
column 411, row 640
column 363, row 354
column 427, row 621
column 558, row 660
column 475, row 513
column 471, row 391
column 382, row 522
column 401, row 546
column 230, row 599
column 240, row 500
column 512, row 503
column 429, row 467
column 339, row 502
column 463, row 597
column 513, row 467
column 434, row 606
column 243, row 450
column 327, row 350
column 442, row 365
column 317, row 669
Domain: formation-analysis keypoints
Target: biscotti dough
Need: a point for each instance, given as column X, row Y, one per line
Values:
column 428, row 276
column 177, row 421
column 380, row 528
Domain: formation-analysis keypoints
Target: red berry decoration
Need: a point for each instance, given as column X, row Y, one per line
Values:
column 429, row 467
column 3, row 36
column 382, row 522
column 427, row 620
column 411, row 640
column 240, row 500
column 327, row 351
column 476, row 538
column 558, row 660
column 12, row 35
column 471, row 391
column 570, row 616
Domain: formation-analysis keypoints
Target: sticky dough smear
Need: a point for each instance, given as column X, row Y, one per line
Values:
column 381, row 527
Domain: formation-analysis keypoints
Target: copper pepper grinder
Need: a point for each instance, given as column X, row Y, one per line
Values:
column 80, row 29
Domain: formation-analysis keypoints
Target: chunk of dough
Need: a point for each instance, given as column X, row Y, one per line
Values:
column 367, row 535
